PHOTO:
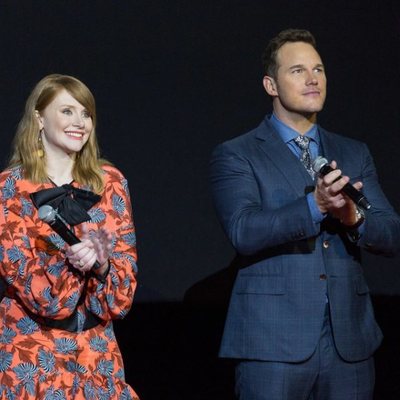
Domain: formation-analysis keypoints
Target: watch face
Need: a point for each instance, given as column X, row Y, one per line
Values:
column 360, row 213
column 360, row 218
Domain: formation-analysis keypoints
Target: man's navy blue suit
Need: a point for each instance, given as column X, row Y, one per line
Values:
column 292, row 265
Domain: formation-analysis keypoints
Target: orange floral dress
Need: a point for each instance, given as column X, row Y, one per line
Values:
column 37, row 360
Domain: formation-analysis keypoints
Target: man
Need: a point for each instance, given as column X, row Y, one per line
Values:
column 300, row 320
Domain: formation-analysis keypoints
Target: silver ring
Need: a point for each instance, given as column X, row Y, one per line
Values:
column 81, row 263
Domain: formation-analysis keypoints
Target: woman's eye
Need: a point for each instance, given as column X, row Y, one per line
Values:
column 86, row 114
column 67, row 111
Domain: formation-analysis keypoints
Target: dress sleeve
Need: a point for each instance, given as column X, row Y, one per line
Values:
column 113, row 298
column 32, row 261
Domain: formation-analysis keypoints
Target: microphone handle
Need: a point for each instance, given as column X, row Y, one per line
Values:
column 349, row 189
column 356, row 196
column 59, row 227
column 69, row 236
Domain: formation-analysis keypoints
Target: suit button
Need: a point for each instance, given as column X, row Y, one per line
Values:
column 325, row 244
column 322, row 277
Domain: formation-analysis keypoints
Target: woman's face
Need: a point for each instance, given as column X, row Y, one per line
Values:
column 65, row 124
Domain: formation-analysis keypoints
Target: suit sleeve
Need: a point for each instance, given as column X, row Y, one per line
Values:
column 250, row 223
column 382, row 225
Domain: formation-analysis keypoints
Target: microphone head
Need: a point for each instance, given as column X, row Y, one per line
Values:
column 47, row 213
column 318, row 163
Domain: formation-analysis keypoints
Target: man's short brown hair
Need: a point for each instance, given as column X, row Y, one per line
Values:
column 270, row 65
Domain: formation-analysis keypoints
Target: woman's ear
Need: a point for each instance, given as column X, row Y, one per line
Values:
column 39, row 119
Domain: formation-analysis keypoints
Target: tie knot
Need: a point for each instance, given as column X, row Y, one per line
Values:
column 303, row 142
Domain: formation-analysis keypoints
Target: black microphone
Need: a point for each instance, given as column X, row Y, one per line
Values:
column 49, row 214
column 322, row 167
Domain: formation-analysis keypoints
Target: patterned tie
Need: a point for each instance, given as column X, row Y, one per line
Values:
column 304, row 143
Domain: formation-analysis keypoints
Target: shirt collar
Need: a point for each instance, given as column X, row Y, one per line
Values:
column 287, row 134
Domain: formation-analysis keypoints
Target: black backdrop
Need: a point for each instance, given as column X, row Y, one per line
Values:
column 172, row 79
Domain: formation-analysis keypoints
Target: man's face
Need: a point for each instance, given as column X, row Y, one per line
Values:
column 300, row 83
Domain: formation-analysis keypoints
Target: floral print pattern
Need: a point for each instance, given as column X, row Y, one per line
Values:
column 39, row 362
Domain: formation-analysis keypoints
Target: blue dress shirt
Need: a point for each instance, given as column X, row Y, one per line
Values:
column 288, row 135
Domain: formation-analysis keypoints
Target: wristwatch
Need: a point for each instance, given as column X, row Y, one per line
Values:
column 360, row 218
column 352, row 231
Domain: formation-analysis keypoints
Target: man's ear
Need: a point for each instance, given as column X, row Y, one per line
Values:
column 270, row 85
column 39, row 119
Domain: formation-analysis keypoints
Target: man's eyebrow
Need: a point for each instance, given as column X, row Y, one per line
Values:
column 303, row 66
column 296, row 66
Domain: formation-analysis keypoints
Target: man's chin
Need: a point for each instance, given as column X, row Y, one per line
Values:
column 312, row 110
column 310, row 114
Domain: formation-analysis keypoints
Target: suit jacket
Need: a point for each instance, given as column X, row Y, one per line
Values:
column 290, row 265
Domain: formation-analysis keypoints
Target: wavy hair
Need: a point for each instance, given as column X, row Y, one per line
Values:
column 28, row 150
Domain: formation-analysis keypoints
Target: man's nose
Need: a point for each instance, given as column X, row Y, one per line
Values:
column 311, row 79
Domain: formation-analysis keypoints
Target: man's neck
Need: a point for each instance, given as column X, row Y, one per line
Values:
column 298, row 122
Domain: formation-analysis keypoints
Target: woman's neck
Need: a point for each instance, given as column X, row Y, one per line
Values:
column 60, row 170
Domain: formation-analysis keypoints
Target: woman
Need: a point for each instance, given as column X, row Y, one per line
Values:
column 56, row 333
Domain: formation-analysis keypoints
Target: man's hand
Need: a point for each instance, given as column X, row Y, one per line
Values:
column 330, row 199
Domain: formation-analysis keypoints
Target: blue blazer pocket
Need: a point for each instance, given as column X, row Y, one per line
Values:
column 260, row 284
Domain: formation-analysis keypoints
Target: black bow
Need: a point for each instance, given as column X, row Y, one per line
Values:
column 71, row 203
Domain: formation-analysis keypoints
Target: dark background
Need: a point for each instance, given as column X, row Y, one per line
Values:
column 171, row 80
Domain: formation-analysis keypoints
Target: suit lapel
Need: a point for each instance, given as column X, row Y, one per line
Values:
column 330, row 148
column 278, row 152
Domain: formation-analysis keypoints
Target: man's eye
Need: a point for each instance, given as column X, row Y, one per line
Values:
column 297, row 70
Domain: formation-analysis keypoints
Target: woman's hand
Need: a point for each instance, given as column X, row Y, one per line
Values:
column 82, row 255
column 95, row 246
column 102, row 242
